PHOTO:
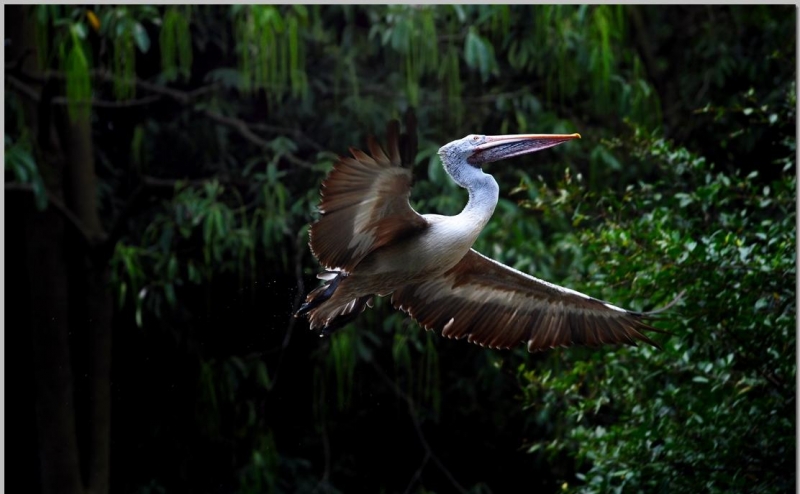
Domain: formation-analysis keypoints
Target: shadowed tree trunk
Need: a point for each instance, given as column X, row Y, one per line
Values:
column 65, row 157
column 55, row 410
column 97, row 304
column 48, row 282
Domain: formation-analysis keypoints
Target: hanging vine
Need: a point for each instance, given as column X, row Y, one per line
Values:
column 76, row 66
column 271, row 54
column 176, row 42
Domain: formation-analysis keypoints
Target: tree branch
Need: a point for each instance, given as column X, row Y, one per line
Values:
column 33, row 95
column 137, row 198
column 90, row 240
column 296, row 133
column 245, row 131
column 170, row 183
column 182, row 97
column 418, row 473
column 106, row 76
column 298, row 273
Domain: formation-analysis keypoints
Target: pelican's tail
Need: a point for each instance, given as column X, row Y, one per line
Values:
column 320, row 294
column 328, row 309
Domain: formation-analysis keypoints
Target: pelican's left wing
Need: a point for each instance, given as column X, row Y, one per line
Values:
column 499, row 307
column 365, row 201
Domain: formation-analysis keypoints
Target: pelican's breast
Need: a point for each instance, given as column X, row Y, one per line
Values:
column 425, row 254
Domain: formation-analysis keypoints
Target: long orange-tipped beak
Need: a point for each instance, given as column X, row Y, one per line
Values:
column 496, row 148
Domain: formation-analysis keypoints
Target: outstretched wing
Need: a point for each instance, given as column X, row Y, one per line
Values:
column 499, row 307
column 365, row 201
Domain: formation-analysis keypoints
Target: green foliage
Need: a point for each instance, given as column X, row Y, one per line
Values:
column 410, row 32
column 271, row 55
column 123, row 26
column 416, row 365
column 342, row 363
column 20, row 161
column 479, row 54
column 176, row 43
column 261, row 474
column 67, row 49
column 76, row 66
column 214, row 237
column 227, row 407
column 124, row 63
column 715, row 408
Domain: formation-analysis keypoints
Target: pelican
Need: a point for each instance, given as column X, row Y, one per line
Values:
column 372, row 242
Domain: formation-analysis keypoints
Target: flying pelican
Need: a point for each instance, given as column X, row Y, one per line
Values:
column 372, row 242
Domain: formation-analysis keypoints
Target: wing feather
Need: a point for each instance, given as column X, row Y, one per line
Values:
column 496, row 306
column 392, row 140
column 377, row 152
column 365, row 204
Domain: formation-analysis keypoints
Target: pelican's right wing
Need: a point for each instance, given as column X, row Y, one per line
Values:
column 496, row 306
column 365, row 201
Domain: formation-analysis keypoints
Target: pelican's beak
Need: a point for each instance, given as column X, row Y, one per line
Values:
column 496, row 148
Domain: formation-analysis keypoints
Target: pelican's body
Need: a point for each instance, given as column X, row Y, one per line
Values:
column 430, row 253
column 373, row 243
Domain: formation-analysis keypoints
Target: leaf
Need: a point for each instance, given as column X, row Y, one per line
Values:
column 229, row 78
column 139, row 306
column 79, row 88
column 172, row 268
column 123, row 291
column 123, row 25
column 15, row 163
column 141, row 37
column 684, row 199
column 262, row 375
column 41, row 14
column 460, row 14
column 294, row 58
column 80, row 30
column 471, row 47
column 106, row 21
column 301, row 10
column 219, row 223
column 39, row 193
column 194, row 273
column 169, row 292
column 208, row 227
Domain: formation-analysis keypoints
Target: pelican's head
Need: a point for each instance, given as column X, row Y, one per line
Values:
column 479, row 149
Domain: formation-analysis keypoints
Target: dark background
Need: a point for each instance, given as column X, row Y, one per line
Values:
column 162, row 167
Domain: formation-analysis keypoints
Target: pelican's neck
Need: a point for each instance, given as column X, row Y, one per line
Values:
column 483, row 195
column 483, row 190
